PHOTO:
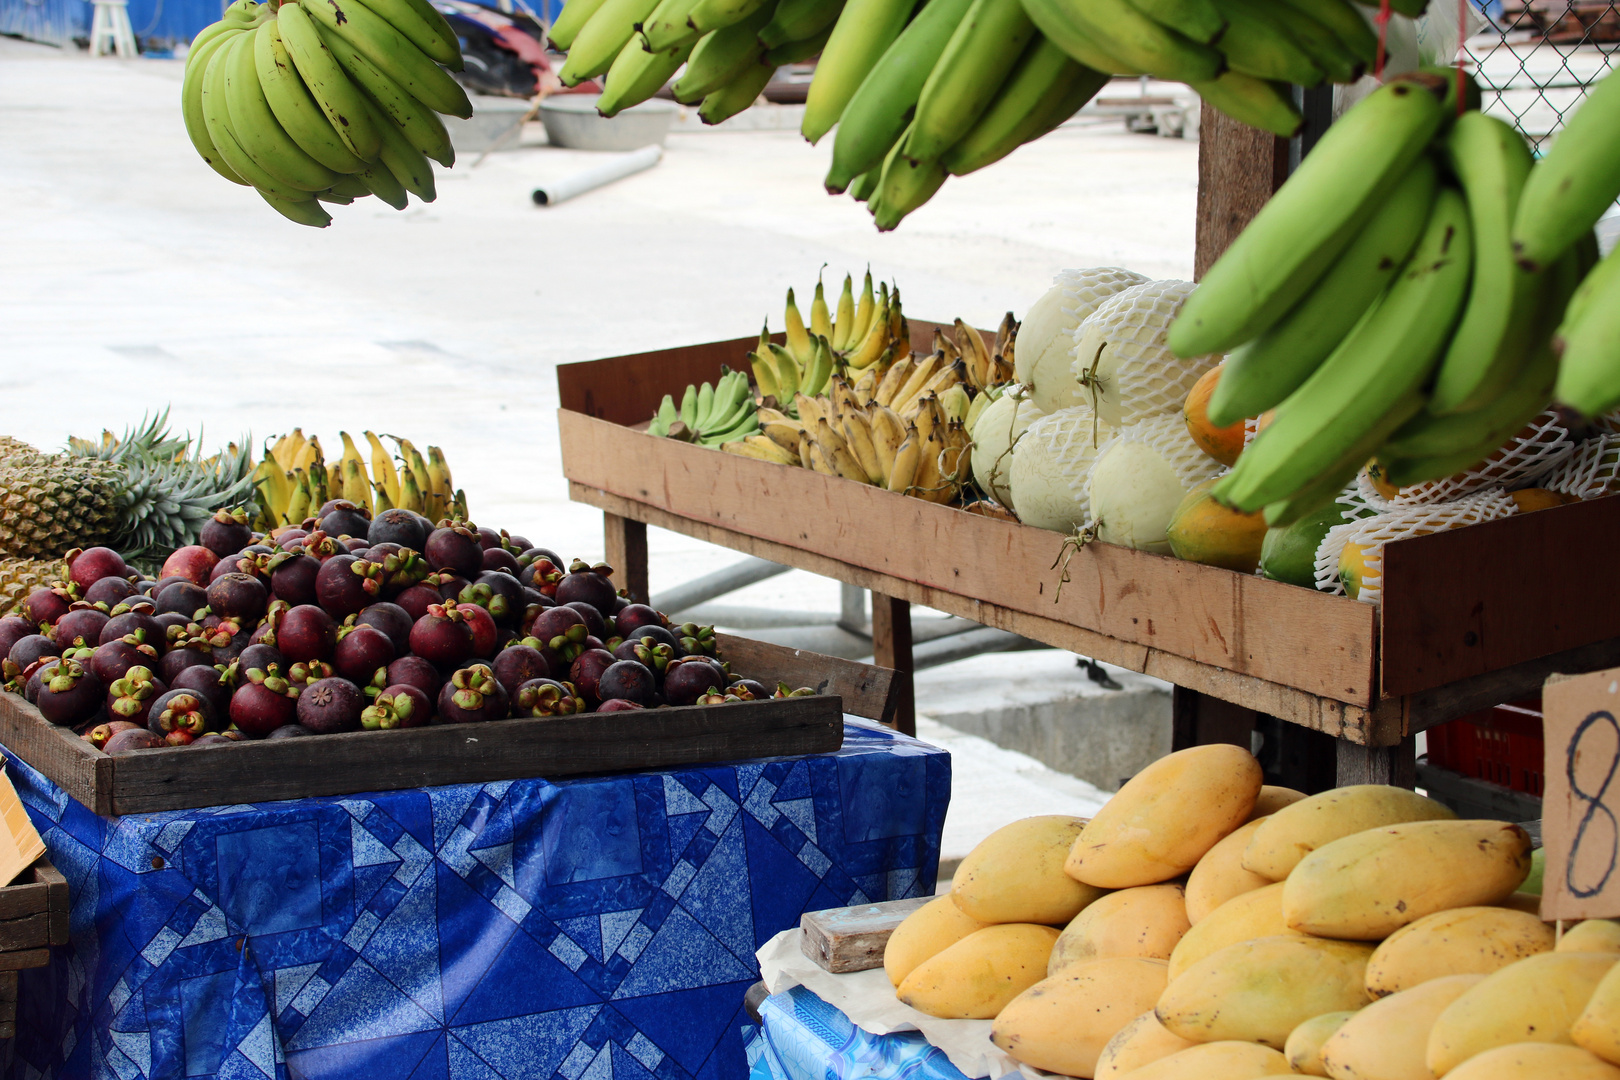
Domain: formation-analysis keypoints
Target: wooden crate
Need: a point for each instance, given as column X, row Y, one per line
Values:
column 173, row 778
column 1461, row 607
column 33, row 917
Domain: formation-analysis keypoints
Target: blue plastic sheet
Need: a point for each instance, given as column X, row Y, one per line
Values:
column 804, row 1038
column 582, row 930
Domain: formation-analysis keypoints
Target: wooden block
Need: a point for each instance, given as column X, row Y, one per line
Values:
column 28, row 932
column 19, row 900
column 59, row 902
column 71, row 763
column 625, row 544
column 8, row 986
column 867, row 690
column 26, row 958
column 891, row 648
column 842, row 940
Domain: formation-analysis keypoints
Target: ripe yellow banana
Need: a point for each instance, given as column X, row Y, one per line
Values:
column 863, row 315
column 893, row 380
column 872, row 345
column 382, row 469
column 858, row 433
column 354, row 484
column 760, row 448
column 805, row 445
column 281, row 451
column 410, row 491
column 810, row 409
column 977, row 354
column 380, row 498
column 827, row 437
column 955, row 401
column 921, row 375
column 785, row 433
column 844, row 399
column 906, row 460
column 866, row 386
column 299, row 503
column 798, row 338
column 844, row 320
column 943, row 344
column 308, row 454
column 1006, row 343
column 886, row 440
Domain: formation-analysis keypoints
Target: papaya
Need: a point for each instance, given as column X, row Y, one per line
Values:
column 1015, row 875
column 1357, row 564
column 1593, row 935
column 929, row 930
column 1219, row 875
column 975, row 978
column 1224, row 444
column 1203, row 531
column 1273, row 798
column 1145, row 921
column 1529, row 500
column 1062, row 1023
column 1389, row 1039
column 1304, row 1046
column 1254, row 914
column 1368, row 885
column 1260, row 991
column 1535, row 1061
column 1295, row 831
column 1163, row 820
column 1539, row 999
column 1598, row 1027
column 1224, row 1060
column 1138, row 1043
column 1288, row 553
column 1457, row 941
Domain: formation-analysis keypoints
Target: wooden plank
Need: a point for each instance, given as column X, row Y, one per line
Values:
column 1199, row 720
column 866, row 689
column 841, row 940
column 24, row 959
column 26, row 899
column 59, row 901
column 1395, row 765
column 891, row 648
column 8, row 986
column 1239, row 167
column 1462, row 603
column 1426, row 708
column 1321, row 644
column 625, row 544
column 28, row 932
column 1380, row 726
column 71, row 763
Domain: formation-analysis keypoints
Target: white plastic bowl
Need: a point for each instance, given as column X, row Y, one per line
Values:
column 572, row 121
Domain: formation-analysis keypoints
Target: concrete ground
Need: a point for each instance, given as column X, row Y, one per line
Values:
column 133, row 278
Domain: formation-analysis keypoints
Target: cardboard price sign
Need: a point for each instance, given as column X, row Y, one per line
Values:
column 1580, row 824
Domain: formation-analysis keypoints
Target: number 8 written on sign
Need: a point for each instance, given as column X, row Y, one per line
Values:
column 1598, row 831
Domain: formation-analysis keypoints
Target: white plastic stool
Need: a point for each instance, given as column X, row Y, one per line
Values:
column 110, row 31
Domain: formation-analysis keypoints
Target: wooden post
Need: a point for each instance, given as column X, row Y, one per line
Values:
column 625, row 544
column 891, row 648
column 1395, row 765
column 1198, row 720
column 1239, row 167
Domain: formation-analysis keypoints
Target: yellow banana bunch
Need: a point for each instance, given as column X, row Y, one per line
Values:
column 294, row 479
column 857, row 336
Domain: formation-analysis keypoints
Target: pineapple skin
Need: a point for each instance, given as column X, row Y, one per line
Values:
column 50, row 503
column 19, row 577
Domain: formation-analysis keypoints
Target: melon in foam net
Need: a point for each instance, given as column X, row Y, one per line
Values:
column 1140, row 477
column 1121, row 347
column 1044, row 359
column 1051, row 470
column 996, row 439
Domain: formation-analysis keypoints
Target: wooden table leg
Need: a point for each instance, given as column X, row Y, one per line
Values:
column 625, row 542
column 1395, row 765
column 891, row 648
column 1198, row 720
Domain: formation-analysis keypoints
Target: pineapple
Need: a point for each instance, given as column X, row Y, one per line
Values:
column 19, row 577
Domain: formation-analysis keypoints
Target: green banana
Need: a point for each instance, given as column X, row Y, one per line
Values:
column 1121, row 30
column 1429, row 436
column 1263, row 372
column 351, row 186
column 720, row 56
column 637, row 75
column 380, row 180
column 1410, row 8
column 256, row 129
column 1330, row 483
column 423, row 26
column 1346, row 24
column 796, row 52
column 191, row 102
column 718, row 14
column 1339, row 63
column 688, row 411
column 575, row 14
column 1056, row 22
column 302, row 211
column 295, row 109
column 787, row 372
column 796, row 20
column 877, row 114
column 216, row 114
column 705, row 406
column 600, row 40
column 1046, row 89
column 1383, row 362
column 1199, row 20
column 1312, row 218
column 820, row 370
column 392, row 53
column 666, row 28
column 864, row 186
column 981, row 54
column 408, row 164
column 863, row 32
column 1265, row 105
column 666, row 416
column 1574, row 183
column 1257, row 43
column 421, row 125
column 1497, row 334
column 1588, row 342
column 340, row 99
column 905, row 186
column 729, row 100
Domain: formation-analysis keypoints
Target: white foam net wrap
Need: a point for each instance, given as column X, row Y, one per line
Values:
column 1138, row 376
column 1051, row 472
column 1251, row 428
column 1401, row 523
column 1169, row 436
column 1592, row 469
column 1609, row 422
column 1531, row 454
column 1083, row 290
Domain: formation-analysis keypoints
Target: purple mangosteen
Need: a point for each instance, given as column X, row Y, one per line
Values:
column 399, row 706
column 180, row 716
column 400, row 527
column 454, row 547
column 619, row 705
column 444, row 635
column 228, row 531
column 629, row 680
column 89, row 566
column 416, row 599
column 292, row 577
column 686, row 680
column 264, row 701
column 563, row 631
column 110, row 591
column 290, row 731
column 502, row 560
column 49, row 604
column 98, row 735
column 239, row 596
column 547, row 697
column 586, row 672
column 210, row 683
column 173, row 662
column 13, row 628
column 139, row 623
column 260, row 656
column 485, row 634
column 416, row 671
column 392, row 620
column 499, row 593
column 71, row 695
column 30, row 648
column 133, row 739
column 343, row 518
column 346, row 584
column 636, row 616
column 473, row 694
column 330, row 706
column 130, row 696
column 182, row 598
column 306, row 632
column 112, row 659
column 80, row 626
column 361, row 650
column 594, row 622
column 517, row 664
column 587, row 583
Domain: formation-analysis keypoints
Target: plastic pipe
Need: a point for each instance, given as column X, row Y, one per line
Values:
column 598, row 175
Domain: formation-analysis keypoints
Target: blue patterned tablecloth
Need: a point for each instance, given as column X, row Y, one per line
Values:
column 591, row 929
column 804, row 1038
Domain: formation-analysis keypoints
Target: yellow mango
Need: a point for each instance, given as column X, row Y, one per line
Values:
column 1369, row 885
column 1062, row 1023
column 1138, row 1043
column 1535, row 1061
column 1226, row 1060
column 1295, row 831
column 1015, row 875
column 931, row 929
column 1145, row 921
column 1593, row 935
column 1458, row 941
column 1273, row 798
column 1220, row 875
column 1389, row 1039
column 976, row 978
column 1598, row 1027
column 1304, row 1046
column 1259, row 991
column 1536, row 1000
column 1166, row 817
column 1247, row 916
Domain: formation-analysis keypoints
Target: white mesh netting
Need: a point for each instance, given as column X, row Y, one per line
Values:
column 1044, row 363
column 1051, row 472
column 1608, row 423
column 1591, row 469
column 1251, row 428
column 1084, row 290
column 1123, row 344
column 1400, row 523
column 1533, row 452
column 996, row 434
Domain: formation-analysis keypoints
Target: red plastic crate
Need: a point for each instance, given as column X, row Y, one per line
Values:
column 1503, row 746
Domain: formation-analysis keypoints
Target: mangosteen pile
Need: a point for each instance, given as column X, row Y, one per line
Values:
column 345, row 623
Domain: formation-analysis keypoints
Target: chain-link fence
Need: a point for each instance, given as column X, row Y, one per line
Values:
column 1536, row 58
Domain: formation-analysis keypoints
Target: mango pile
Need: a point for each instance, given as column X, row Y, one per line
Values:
column 1204, row 926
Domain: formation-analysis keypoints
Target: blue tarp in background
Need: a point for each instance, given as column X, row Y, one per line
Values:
column 157, row 23
column 591, row 929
